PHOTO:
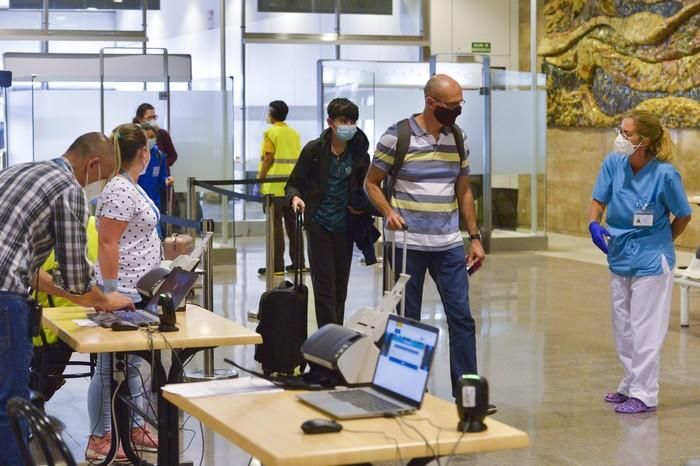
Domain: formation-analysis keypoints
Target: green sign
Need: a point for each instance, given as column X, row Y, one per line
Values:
column 481, row 47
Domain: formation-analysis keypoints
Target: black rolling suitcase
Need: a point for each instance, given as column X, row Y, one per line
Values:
column 283, row 315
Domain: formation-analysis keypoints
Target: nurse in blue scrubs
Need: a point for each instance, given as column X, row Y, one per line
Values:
column 155, row 180
column 647, row 209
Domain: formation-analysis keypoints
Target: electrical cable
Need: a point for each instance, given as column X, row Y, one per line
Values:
column 383, row 434
column 115, row 434
column 184, row 429
column 454, row 449
column 175, row 354
column 439, row 431
column 144, row 393
column 201, row 431
column 420, row 434
column 282, row 383
column 189, row 443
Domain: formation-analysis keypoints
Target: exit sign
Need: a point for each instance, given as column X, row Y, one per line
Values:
column 481, row 47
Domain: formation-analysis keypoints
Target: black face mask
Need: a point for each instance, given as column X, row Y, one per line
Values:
column 446, row 116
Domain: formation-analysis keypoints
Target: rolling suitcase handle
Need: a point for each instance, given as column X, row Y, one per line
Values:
column 168, row 208
column 389, row 271
column 402, row 308
column 298, row 271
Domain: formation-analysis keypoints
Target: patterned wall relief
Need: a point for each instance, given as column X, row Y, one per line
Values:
column 605, row 57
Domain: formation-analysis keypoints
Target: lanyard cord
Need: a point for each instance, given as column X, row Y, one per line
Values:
column 143, row 194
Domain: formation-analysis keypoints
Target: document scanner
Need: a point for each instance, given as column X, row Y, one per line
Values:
column 348, row 354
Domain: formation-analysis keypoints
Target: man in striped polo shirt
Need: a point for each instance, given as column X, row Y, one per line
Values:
column 430, row 192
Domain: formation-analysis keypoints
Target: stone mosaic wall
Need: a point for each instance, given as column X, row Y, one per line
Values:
column 605, row 57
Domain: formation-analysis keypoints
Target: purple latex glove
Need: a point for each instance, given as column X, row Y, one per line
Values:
column 598, row 234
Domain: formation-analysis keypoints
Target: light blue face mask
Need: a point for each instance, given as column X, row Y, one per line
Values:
column 345, row 132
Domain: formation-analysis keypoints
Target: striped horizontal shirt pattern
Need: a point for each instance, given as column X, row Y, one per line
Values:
column 42, row 207
column 424, row 192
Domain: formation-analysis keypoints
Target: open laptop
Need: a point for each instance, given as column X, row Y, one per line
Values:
column 178, row 283
column 400, row 377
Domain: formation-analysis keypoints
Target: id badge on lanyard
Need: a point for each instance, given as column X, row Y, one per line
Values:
column 148, row 200
column 150, row 203
column 643, row 215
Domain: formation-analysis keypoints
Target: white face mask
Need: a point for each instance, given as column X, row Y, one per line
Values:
column 148, row 160
column 93, row 190
column 623, row 146
column 151, row 143
column 154, row 124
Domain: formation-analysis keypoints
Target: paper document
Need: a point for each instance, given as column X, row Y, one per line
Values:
column 238, row 386
column 84, row 323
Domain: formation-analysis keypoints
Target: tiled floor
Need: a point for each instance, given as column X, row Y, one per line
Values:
column 544, row 343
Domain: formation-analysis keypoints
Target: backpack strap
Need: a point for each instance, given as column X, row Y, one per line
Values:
column 403, row 140
column 459, row 141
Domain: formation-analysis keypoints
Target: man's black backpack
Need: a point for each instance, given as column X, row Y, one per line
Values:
column 403, row 141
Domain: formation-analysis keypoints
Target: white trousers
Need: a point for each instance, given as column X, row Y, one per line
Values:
column 640, row 314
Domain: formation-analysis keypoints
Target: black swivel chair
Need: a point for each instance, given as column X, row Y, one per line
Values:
column 51, row 445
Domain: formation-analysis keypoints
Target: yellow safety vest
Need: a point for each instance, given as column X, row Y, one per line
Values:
column 50, row 264
column 285, row 143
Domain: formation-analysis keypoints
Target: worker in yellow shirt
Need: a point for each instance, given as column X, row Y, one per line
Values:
column 56, row 351
column 280, row 151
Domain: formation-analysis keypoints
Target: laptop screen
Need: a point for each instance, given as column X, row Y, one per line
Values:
column 178, row 283
column 406, row 357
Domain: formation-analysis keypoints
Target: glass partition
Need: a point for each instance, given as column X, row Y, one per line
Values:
column 519, row 153
column 19, row 125
column 42, row 123
column 291, row 78
column 353, row 84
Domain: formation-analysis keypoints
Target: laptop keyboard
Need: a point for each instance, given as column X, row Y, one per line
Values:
column 365, row 400
column 136, row 317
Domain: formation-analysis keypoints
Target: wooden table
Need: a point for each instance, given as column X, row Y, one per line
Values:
column 199, row 329
column 267, row 425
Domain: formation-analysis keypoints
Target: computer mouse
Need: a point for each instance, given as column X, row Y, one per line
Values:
column 123, row 326
column 320, row 426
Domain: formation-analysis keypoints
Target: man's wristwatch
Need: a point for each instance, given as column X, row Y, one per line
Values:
column 475, row 236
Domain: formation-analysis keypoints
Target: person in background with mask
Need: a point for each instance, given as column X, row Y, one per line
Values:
column 43, row 207
column 431, row 191
column 155, row 180
column 329, row 169
column 129, row 247
column 280, row 151
column 641, row 190
column 145, row 113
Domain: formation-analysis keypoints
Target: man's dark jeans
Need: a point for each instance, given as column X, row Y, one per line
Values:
column 15, row 356
column 448, row 270
column 330, row 257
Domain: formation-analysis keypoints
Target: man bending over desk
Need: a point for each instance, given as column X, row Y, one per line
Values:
column 43, row 206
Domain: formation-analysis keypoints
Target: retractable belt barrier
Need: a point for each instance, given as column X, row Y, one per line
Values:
column 196, row 225
column 213, row 185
